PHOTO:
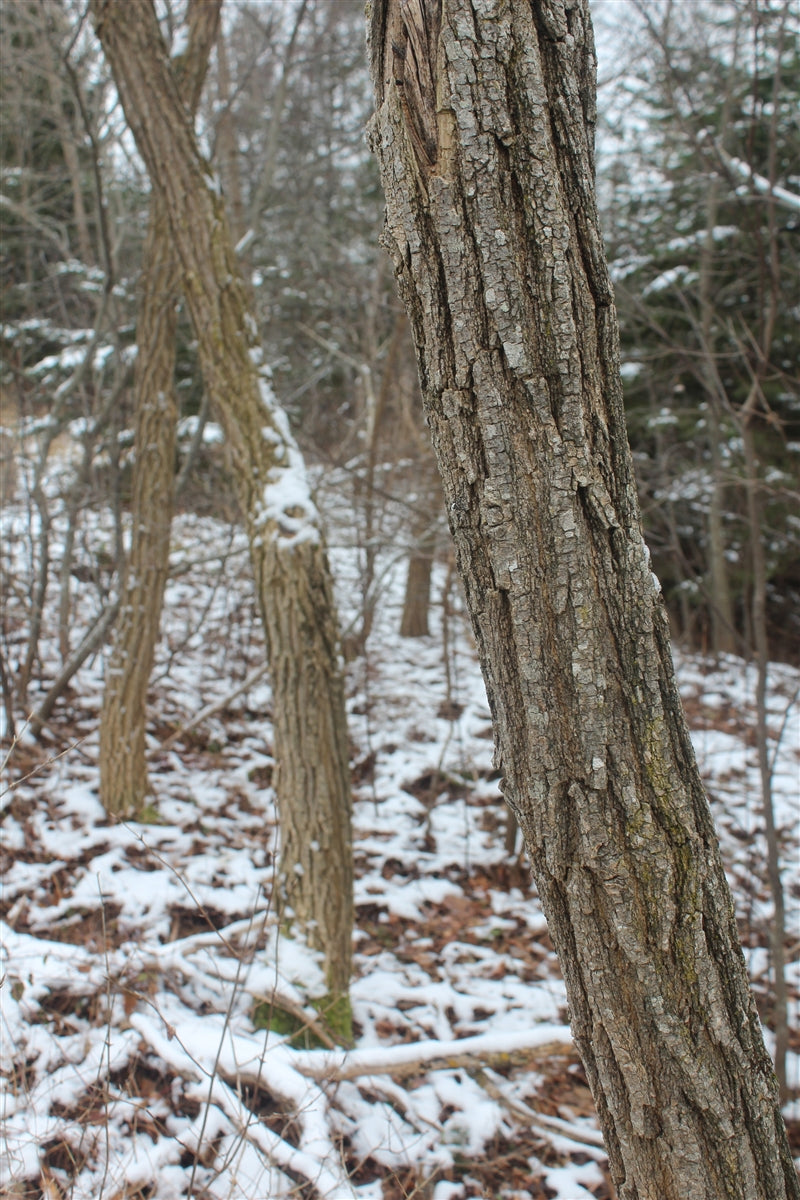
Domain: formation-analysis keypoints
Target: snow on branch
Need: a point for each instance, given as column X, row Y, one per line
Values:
column 760, row 183
column 543, row 1041
column 316, row 1160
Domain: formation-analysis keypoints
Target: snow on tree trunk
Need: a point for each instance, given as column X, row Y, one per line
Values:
column 287, row 550
column 484, row 133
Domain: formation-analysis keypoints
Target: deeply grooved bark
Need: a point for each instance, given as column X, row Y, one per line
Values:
column 500, row 265
column 123, row 763
column 287, row 550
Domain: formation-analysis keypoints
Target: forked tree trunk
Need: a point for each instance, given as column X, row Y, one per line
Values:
column 123, row 763
column 484, row 132
column 287, row 550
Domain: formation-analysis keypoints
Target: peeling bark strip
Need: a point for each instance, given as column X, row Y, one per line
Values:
column 492, row 225
column 413, row 74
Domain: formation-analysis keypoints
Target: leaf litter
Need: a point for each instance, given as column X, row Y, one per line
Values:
column 136, row 955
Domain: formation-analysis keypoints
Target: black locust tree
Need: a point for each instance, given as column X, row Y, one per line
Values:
column 484, row 132
column 287, row 549
column 124, row 785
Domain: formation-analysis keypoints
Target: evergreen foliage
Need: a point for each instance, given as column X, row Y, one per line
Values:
column 702, row 257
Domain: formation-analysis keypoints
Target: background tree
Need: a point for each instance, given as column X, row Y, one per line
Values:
column 296, row 99
column 64, row 336
column 287, row 550
column 485, row 136
column 123, row 764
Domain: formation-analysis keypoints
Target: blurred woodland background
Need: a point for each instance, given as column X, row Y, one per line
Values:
column 698, row 178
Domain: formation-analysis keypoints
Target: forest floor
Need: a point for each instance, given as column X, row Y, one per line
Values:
column 139, row 958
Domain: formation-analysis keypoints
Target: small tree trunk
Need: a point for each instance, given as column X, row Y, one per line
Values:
column 48, row 45
column 375, row 409
column 264, row 185
column 70, row 152
column 123, row 768
column 123, row 765
column 227, row 154
column 777, row 931
column 287, row 551
column 723, row 631
column 414, row 622
column 484, row 133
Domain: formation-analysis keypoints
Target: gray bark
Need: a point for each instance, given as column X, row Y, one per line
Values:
column 484, row 133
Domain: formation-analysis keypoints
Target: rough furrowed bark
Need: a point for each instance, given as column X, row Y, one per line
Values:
column 123, row 770
column 484, row 133
column 123, row 765
column 286, row 546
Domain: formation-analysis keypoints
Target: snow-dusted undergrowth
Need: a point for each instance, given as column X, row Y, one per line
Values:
column 134, row 955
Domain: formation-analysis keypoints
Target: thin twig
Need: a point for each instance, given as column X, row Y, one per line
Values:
column 210, row 709
column 93, row 640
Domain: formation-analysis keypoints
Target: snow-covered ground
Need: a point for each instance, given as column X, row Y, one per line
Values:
column 134, row 955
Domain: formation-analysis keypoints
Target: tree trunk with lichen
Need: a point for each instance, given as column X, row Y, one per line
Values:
column 484, row 133
column 293, row 582
column 123, row 763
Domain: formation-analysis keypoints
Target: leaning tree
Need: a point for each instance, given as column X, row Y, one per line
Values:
column 287, row 549
column 484, row 131
column 124, row 784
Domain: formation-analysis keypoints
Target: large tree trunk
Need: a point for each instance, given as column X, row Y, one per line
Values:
column 123, row 764
column 286, row 545
column 484, row 131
